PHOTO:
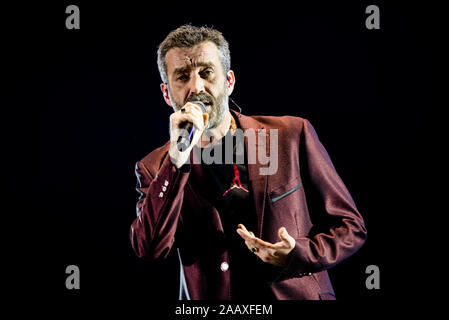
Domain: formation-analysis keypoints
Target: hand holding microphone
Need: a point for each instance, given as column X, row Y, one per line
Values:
column 186, row 127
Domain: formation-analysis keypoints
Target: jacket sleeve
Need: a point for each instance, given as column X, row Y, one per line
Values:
column 341, row 231
column 158, row 208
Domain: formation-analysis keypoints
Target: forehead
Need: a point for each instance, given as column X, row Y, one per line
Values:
column 189, row 57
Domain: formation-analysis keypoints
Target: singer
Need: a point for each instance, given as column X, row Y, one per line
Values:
column 238, row 234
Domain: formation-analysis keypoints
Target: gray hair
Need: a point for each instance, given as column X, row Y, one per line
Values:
column 188, row 36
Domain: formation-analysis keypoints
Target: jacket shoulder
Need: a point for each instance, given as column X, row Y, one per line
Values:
column 284, row 123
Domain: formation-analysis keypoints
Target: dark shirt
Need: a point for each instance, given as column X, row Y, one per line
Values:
column 229, row 191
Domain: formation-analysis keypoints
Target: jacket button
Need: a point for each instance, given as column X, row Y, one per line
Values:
column 224, row 266
column 161, row 195
column 164, row 189
column 166, row 183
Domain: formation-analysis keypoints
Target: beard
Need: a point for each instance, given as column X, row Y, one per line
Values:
column 218, row 106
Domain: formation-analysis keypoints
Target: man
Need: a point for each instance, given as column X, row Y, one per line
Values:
column 239, row 233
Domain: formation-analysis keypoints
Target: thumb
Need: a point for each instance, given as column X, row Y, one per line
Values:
column 284, row 236
column 205, row 119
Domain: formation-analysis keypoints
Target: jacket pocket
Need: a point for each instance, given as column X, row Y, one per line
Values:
column 285, row 190
column 324, row 295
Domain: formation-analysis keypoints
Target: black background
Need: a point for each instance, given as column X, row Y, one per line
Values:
column 84, row 105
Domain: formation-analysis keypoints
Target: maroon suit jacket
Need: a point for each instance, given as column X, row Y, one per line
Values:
column 171, row 215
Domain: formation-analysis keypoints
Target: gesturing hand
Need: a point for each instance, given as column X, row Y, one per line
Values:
column 275, row 254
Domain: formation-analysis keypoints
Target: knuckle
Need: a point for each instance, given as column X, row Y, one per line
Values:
column 186, row 107
column 193, row 105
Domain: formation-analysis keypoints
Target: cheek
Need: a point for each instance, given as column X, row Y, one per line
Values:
column 219, row 88
column 178, row 92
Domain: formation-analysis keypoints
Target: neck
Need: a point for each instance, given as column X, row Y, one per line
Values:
column 215, row 134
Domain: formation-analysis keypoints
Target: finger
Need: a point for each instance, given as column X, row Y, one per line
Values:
column 198, row 115
column 281, row 245
column 247, row 234
column 241, row 233
column 193, row 116
column 241, row 226
column 256, row 242
column 244, row 228
column 262, row 244
column 205, row 119
column 190, row 108
column 194, row 109
column 181, row 116
column 251, row 246
column 195, row 106
column 187, row 108
column 186, row 117
column 281, row 233
column 250, row 241
column 244, row 234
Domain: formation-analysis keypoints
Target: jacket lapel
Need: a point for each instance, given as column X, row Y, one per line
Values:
column 258, row 181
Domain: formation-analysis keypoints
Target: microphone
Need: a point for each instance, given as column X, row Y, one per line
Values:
column 185, row 138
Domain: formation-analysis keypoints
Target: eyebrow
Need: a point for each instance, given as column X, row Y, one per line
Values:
column 190, row 67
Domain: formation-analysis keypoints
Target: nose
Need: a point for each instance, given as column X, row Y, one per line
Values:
column 196, row 84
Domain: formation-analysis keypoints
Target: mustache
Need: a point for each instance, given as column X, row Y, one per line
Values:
column 203, row 97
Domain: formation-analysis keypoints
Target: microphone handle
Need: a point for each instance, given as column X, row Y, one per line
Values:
column 184, row 140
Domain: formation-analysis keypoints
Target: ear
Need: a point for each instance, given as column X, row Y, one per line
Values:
column 164, row 90
column 230, row 81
